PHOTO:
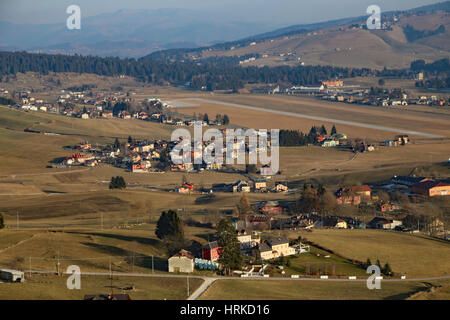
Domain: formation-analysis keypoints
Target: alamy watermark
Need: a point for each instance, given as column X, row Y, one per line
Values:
column 209, row 147
column 374, row 21
column 74, row 20
column 74, row 280
column 374, row 281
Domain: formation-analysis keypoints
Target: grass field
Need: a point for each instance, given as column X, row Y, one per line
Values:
column 321, row 262
column 413, row 256
column 132, row 249
column 309, row 290
column 52, row 287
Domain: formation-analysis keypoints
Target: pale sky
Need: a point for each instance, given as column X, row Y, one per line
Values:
column 278, row 12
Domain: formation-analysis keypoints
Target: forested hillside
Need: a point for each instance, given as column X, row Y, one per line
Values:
column 212, row 73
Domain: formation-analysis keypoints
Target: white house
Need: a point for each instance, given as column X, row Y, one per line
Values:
column 183, row 261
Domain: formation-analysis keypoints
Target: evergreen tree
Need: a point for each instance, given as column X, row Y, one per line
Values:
column 117, row 183
column 206, row 118
column 169, row 225
column 2, row 223
column 368, row 263
column 387, row 269
column 116, row 144
column 250, row 168
column 333, row 130
column 230, row 253
column 164, row 162
column 130, row 139
column 323, row 130
column 378, row 263
column 320, row 190
column 288, row 262
column 225, row 120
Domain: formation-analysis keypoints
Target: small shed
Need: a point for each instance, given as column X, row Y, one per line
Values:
column 183, row 261
column 12, row 275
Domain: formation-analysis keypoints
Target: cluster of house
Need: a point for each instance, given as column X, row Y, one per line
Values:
column 185, row 261
column 256, row 185
column 399, row 140
column 336, row 91
column 136, row 156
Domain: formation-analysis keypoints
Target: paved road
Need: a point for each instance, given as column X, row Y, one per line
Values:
column 304, row 116
column 208, row 281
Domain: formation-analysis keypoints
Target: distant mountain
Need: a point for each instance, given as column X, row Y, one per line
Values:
column 419, row 33
column 128, row 33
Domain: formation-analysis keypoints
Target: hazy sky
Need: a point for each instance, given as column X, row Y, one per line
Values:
column 277, row 12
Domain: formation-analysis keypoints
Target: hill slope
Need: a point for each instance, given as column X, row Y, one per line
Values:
column 345, row 42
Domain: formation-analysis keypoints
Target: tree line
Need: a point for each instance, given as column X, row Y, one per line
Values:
column 413, row 34
column 222, row 73
column 289, row 138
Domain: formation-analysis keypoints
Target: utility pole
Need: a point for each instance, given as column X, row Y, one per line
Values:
column 17, row 218
column 187, row 285
column 57, row 264
column 153, row 269
column 101, row 219
column 30, row 267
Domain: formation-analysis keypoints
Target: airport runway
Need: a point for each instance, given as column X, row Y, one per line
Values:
column 181, row 103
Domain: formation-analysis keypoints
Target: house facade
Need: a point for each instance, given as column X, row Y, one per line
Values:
column 183, row 261
column 274, row 248
column 431, row 188
column 210, row 251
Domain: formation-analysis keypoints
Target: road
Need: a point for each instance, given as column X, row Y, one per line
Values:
column 304, row 116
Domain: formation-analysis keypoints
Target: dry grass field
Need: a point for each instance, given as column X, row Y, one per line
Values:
column 310, row 290
column 70, row 215
column 51, row 287
column 411, row 255
column 132, row 249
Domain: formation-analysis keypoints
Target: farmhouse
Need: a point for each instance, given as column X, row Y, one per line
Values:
column 12, row 275
column 182, row 261
column 335, row 83
column 431, row 188
column 269, row 207
column 280, row 187
column 274, row 248
column 210, row 251
column 329, row 143
column 266, row 171
column 245, row 239
column 185, row 188
column 383, row 223
column 259, row 183
column 331, row 222
column 352, row 195
column 241, row 186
